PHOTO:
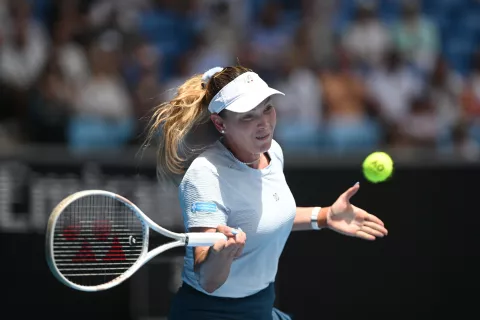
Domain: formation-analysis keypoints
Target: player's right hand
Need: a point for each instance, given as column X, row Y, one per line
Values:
column 233, row 246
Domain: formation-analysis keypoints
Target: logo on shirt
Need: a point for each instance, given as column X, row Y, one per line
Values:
column 276, row 197
column 204, row 207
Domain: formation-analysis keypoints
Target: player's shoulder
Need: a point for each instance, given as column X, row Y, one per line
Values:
column 201, row 167
column 205, row 165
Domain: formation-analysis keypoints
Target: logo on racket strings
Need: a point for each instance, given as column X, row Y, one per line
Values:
column 91, row 237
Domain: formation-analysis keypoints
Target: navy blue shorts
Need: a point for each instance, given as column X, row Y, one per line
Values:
column 190, row 303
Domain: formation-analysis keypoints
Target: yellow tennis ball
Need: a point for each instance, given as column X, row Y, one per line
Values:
column 377, row 167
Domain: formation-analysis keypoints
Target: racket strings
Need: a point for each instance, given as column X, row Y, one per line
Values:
column 97, row 238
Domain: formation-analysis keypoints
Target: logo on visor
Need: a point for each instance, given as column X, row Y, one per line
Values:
column 249, row 79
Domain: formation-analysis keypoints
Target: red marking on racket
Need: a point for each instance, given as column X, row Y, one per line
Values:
column 71, row 232
column 116, row 252
column 102, row 229
column 85, row 254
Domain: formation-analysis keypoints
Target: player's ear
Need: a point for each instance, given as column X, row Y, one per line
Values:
column 218, row 122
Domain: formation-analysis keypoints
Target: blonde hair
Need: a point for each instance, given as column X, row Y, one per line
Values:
column 173, row 120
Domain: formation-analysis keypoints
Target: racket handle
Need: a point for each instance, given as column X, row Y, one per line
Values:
column 204, row 239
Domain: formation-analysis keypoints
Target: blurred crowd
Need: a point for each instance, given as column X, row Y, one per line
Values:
column 356, row 74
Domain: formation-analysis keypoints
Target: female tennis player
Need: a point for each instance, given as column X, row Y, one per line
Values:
column 236, row 186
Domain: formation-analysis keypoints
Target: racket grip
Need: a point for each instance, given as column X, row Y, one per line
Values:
column 204, row 239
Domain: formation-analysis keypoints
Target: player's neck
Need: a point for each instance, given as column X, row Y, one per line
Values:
column 255, row 161
column 264, row 161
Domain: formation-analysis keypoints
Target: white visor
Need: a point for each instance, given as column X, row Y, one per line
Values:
column 243, row 94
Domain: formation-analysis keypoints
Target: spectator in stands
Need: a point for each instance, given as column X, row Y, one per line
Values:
column 202, row 56
column 124, row 13
column 318, row 17
column 470, row 98
column 223, row 25
column 103, row 109
column 172, row 17
column 444, row 88
column 416, row 37
column 347, row 106
column 367, row 38
column 24, row 50
column 145, row 86
column 421, row 126
column 269, row 40
column 23, row 53
column 71, row 56
column 299, row 112
column 393, row 86
column 50, row 105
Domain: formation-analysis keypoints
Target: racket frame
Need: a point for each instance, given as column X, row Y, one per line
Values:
column 180, row 239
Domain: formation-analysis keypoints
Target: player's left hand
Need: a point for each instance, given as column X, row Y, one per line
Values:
column 345, row 218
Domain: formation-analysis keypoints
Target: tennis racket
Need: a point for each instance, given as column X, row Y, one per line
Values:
column 97, row 239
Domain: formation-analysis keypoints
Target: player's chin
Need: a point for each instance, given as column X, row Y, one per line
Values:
column 263, row 142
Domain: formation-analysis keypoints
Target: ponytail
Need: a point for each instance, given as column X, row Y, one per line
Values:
column 175, row 119
column 172, row 121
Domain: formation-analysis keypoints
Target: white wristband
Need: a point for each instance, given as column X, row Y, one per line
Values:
column 314, row 218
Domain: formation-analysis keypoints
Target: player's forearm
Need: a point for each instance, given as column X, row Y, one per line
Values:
column 303, row 220
column 212, row 269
